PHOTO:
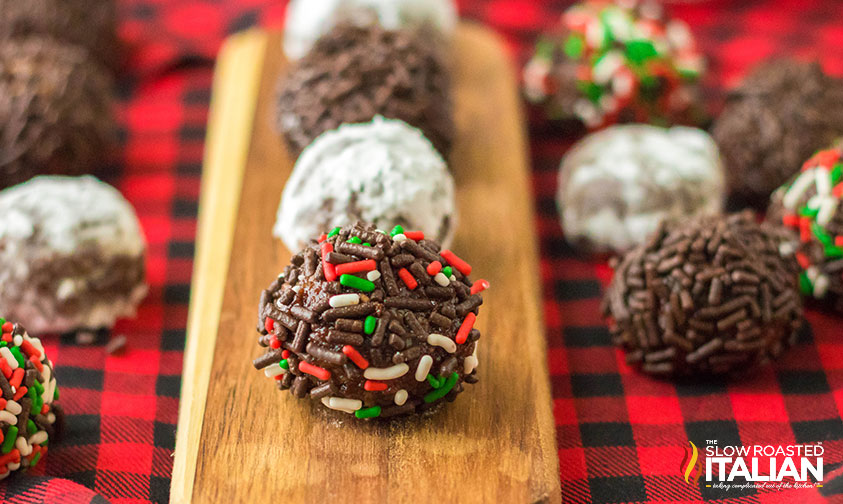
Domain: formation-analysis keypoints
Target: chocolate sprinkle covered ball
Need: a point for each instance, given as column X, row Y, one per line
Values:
column 354, row 73
column 613, row 61
column 91, row 24
column 810, row 205
column 372, row 324
column 55, row 110
column 706, row 296
column 781, row 114
column 29, row 419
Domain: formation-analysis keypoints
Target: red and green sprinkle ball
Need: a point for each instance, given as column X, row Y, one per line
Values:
column 27, row 412
column 616, row 61
column 809, row 205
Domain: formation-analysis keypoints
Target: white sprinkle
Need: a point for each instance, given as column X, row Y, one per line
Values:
column 17, row 340
column 424, row 367
column 296, row 289
column 9, row 418
column 13, row 407
column 827, row 211
column 399, row 238
column 10, row 359
column 389, row 373
column 814, row 202
column 606, row 67
column 38, row 438
column 594, row 33
column 23, row 446
column 441, row 341
column 373, row 275
column 813, row 272
column 36, row 343
column 794, row 194
column 821, row 286
column 453, row 278
column 787, row 248
column 51, row 417
column 273, row 370
column 622, row 85
column 13, row 466
column 823, row 182
column 471, row 361
column 400, row 397
column 441, row 279
column 344, row 300
column 342, row 404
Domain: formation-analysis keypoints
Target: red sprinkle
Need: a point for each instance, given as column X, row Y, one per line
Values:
column 36, row 361
column 44, row 409
column 826, row 157
column 805, row 229
column 2, row 406
column 20, row 393
column 323, row 237
column 465, row 328
column 285, row 354
column 838, row 190
column 414, row 235
column 7, row 337
column 479, row 286
column 12, row 456
column 17, row 377
column 374, row 386
column 839, row 241
column 434, row 268
column 790, row 220
column 269, row 324
column 274, row 343
column 355, row 356
column 356, row 267
column 7, row 327
column 407, row 278
column 322, row 374
column 29, row 349
column 330, row 270
column 4, row 367
column 803, row 260
column 462, row 266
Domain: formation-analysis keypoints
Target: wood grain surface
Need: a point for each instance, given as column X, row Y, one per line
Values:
column 244, row 441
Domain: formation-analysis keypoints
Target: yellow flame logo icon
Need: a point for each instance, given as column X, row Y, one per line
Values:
column 691, row 467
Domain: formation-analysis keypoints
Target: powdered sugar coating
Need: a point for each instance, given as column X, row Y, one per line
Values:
column 384, row 172
column 616, row 185
column 307, row 20
column 72, row 254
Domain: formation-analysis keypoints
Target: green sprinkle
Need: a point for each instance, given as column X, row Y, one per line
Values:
column 18, row 356
column 441, row 392
column 447, row 271
column 836, row 173
column 30, row 427
column 639, row 51
column 374, row 411
column 356, row 282
column 56, row 394
column 545, row 49
column 334, row 232
column 2, row 321
column 369, row 324
column 3, row 343
column 367, row 244
column 574, row 46
column 808, row 212
column 284, row 364
column 591, row 90
column 833, row 251
column 45, row 443
column 396, row 231
column 355, row 239
column 805, row 284
column 35, row 459
column 9, row 442
column 688, row 74
column 433, row 381
column 38, row 387
column 821, row 234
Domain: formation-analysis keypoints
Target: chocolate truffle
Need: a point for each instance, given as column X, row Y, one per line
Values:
column 383, row 172
column 30, row 419
column 55, row 110
column 355, row 73
column 781, row 114
column 618, row 61
column 91, row 24
column 372, row 324
column 72, row 254
column 307, row 21
column 810, row 205
column 706, row 296
column 618, row 184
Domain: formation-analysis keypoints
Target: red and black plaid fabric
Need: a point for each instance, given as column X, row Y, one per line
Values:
column 620, row 434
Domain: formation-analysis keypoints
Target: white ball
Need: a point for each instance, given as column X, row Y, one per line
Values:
column 618, row 184
column 383, row 172
column 307, row 20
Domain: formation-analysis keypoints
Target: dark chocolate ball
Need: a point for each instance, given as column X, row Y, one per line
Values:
column 91, row 24
column 356, row 72
column 372, row 324
column 780, row 115
column 55, row 110
column 809, row 205
column 705, row 296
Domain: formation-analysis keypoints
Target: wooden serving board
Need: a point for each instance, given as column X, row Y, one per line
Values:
column 241, row 440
